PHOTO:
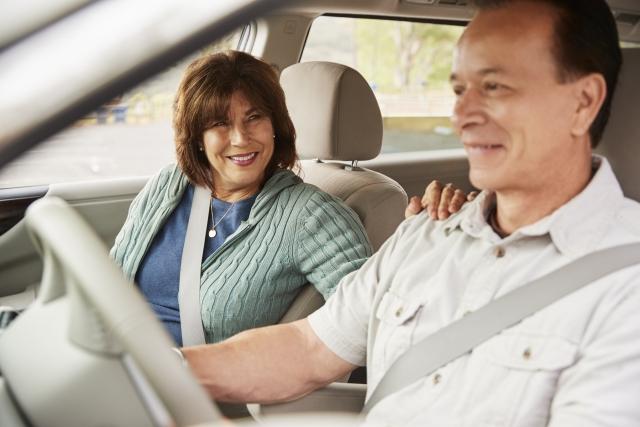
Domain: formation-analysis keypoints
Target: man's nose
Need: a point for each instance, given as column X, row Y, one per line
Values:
column 468, row 110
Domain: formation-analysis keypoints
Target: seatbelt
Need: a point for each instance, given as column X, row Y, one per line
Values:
column 461, row 336
column 190, row 268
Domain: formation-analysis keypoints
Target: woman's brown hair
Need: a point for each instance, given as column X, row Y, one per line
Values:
column 204, row 96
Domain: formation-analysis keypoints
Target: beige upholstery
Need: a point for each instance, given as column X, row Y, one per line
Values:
column 337, row 117
column 621, row 141
column 334, row 111
column 378, row 200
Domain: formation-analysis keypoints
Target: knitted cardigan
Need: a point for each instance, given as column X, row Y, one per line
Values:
column 295, row 234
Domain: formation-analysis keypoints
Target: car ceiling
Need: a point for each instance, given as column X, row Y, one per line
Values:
column 626, row 12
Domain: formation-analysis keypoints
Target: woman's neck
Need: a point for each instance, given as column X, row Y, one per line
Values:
column 234, row 195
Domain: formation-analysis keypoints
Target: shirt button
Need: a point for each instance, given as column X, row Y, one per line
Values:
column 526, row 354
column 399, row 312
column 499, row 252
column 436, row 379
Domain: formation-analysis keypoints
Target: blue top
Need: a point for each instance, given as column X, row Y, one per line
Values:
column 159, row 273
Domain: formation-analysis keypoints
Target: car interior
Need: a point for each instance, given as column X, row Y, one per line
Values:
column 79, row 345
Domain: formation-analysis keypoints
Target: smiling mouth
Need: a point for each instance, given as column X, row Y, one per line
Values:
column 243, row 159
column 482, row 146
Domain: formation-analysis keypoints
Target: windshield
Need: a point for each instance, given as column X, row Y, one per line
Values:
column 56, row 75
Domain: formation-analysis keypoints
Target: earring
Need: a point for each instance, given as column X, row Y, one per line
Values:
column 274, row 137
column 200, row 148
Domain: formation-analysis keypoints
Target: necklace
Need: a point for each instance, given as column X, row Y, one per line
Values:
column 212, row 230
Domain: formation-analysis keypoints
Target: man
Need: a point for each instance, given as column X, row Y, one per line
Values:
column 534, row 81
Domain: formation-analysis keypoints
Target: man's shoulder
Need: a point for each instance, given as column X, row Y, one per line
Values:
column 624, row 226
column 422, row 228
column 628, row 217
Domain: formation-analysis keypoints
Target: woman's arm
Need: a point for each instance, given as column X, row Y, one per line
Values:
column 330, row 242
column 161, row 189
column 439, row 201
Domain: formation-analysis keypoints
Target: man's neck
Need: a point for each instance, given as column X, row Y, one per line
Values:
column 518, row 208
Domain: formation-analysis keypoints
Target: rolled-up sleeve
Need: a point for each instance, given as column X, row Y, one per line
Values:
column 343, row 322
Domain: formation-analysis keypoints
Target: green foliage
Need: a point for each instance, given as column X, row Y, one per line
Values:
column 400, row 56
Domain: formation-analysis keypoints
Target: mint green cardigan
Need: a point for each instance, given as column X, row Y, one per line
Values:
column 295, row 234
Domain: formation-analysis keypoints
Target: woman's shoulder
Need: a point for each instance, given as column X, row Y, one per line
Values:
column 322, row 206
column 309, row 200
column 169, row 180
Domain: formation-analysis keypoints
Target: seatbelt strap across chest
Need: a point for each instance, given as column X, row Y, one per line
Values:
column 461, row 336
column 191, row 267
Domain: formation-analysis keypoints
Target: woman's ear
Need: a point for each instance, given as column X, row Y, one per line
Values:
column 591, row 91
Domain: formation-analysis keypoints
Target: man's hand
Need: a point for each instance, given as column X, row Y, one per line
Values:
column 439, row 201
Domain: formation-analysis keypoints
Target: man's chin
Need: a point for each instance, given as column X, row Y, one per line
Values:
column 484, row 179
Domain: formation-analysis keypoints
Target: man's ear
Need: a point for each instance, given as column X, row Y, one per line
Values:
column 590, row 92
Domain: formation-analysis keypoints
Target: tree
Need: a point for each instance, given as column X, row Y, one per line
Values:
column 402, row 56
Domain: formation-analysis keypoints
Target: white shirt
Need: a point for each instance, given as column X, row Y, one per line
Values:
column 574, row 363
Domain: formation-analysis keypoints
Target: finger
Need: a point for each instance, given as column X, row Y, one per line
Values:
column 413, row 208
column 445, row 201
column 471, row 196
column 431, row 198
column 457, row 201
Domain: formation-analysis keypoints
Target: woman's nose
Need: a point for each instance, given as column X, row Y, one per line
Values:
column 239, row 135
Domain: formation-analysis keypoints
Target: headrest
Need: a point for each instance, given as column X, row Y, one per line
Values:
column 621, row 140
column 334, row 111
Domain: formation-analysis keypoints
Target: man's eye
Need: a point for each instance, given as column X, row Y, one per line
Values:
column 458, row 90
column 492, row 86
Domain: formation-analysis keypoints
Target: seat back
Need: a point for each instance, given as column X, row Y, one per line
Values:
column 338, row 120
column 338, row 123
column 621, row 141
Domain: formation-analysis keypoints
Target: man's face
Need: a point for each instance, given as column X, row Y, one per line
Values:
column 512, row 113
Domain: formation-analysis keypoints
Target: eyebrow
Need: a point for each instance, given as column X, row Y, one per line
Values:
column 483, row 72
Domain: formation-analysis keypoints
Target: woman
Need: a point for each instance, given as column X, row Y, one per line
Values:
column 267, row 232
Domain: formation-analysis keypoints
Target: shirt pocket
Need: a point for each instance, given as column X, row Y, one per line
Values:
column 397, row 320
column 520, row 371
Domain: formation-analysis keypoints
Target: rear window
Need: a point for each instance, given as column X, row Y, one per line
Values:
column 407, row 65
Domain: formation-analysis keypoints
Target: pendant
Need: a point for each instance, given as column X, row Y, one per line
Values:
column 212, row 233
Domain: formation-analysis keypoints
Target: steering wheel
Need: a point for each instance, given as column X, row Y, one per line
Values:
column 76, row 262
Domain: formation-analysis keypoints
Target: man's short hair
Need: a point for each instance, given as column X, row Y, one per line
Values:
column 585, row 41
column 204, row 96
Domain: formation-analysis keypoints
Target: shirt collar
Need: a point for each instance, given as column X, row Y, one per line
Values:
column 575, row 228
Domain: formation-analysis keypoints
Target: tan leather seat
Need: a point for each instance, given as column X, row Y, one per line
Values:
column 621, row 141
column 338, row 123
column 338, row 120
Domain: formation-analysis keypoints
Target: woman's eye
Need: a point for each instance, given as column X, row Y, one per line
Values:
column 254, row 116
column 219, row 124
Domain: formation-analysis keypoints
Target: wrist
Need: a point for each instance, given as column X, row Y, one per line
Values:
column 183, row 360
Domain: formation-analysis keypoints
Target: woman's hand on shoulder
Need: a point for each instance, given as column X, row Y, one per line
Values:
column 440, row 201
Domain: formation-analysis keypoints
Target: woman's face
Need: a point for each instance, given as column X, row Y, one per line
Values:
column 239, row 149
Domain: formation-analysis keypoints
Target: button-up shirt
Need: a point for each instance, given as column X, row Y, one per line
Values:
column 573, row 363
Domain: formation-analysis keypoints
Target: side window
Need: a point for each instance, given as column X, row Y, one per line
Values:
column 407, row 64
column 129, row 136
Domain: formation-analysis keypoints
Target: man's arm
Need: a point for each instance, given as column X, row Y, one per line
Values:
column 266, row 365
